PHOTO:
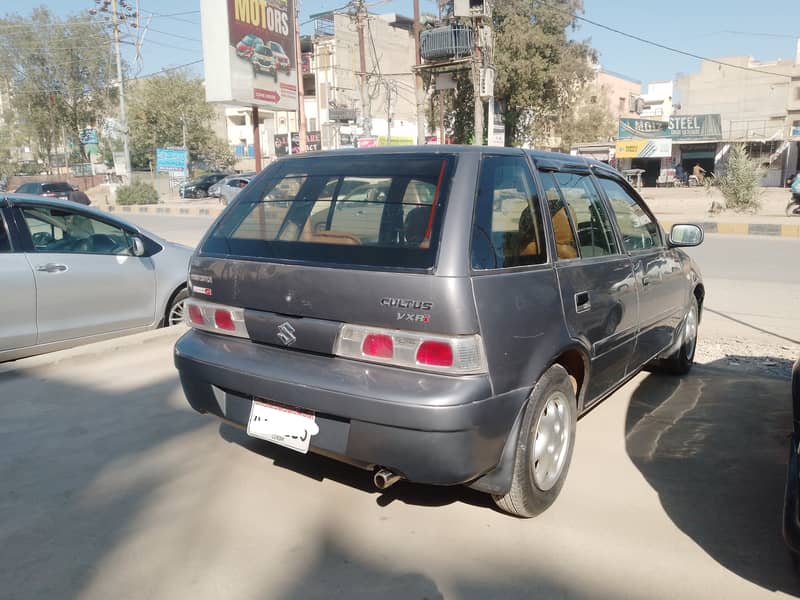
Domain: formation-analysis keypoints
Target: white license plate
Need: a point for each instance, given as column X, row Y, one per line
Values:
column 283, row 426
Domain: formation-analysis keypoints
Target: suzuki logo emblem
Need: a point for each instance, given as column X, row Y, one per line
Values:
column 286, row 333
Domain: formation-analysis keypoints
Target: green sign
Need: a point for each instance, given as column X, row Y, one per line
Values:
column 679, row 127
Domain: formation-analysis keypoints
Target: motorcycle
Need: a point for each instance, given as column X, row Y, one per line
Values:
column 793, row 208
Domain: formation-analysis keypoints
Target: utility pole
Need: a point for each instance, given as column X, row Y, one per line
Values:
column 301, row 109
column 420, row 92
column 388, row 113
column 360, row 10
column 122, row 114
column 477, row 139
column 257, row 138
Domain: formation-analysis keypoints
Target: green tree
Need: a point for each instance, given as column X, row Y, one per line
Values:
column 158, row 111
column 590, row 119
column 60, row 74
column 740, row 182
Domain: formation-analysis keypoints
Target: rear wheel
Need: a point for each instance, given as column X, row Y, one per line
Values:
column 176, row 309
column 544, row 447
column 793, row 208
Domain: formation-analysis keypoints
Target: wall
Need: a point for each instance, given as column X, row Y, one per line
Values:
column 620, row 92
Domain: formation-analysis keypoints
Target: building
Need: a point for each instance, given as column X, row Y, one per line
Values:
column 621, row 92
column 656, row 103
column 758, row 104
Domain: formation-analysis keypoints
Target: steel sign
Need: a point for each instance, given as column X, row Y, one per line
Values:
column 678, row 128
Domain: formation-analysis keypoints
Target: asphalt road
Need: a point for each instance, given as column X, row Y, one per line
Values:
column 752, row 282
column 111, row 487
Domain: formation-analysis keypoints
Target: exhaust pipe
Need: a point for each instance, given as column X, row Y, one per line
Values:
column 384, row 479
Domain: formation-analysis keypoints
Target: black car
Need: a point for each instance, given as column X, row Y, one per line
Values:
column 791, row 510
column 441, row 315
column 49, row 189
column 198, row 188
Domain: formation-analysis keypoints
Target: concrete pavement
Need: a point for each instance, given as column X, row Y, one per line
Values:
column 113, row 488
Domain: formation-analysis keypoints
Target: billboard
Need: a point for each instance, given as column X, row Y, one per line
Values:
column 249, row 52
column 170, row 159
column 657, row 148
column 679, row 127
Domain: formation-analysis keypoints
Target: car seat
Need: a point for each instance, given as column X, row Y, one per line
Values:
column 416, row 226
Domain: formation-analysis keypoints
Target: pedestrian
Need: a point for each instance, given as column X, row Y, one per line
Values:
column 680, row 174
column 699, row 173
column 80, row 197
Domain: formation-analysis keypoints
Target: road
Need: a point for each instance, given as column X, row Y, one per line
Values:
column 752, row 282
column 113, row 488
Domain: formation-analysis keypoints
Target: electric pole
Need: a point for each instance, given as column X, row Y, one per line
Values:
column 301, row 109
column 360, row 13
column 420, row 92
column 122, row 114
column 388, row 113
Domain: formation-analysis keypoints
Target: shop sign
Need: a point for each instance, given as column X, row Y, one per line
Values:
column 678, row 128
column 642, row 129
column 657, row 148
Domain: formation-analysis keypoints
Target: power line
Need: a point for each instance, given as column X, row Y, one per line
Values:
column 657, row 44
column 168, row 70
column 173, row 35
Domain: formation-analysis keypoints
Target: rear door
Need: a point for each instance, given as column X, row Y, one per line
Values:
column 18, row 304
column 659, row 278
column 87, row 281
column 598, row 289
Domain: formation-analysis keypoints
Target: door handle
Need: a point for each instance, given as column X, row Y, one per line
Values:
column 51, row 268
column 582, row 302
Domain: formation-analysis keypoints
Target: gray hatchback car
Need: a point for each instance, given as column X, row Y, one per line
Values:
column 454, row 333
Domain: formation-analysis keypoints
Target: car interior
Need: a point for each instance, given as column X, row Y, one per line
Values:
column 57, row 231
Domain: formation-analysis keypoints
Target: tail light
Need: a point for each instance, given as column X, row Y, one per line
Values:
column 217, row 318
column 456, row 355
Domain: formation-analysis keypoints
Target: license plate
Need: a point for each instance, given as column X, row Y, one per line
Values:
column 281, row 425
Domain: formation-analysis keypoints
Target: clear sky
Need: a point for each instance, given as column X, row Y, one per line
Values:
column 713, row 28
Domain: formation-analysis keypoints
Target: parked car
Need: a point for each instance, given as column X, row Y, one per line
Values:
column 791, row 507
column 73, row 275
column 230, row 187
column 264, row 62
column 48, row 189
column 246, row 46
column 198, row 188
column 445, row 337
column 283, row 62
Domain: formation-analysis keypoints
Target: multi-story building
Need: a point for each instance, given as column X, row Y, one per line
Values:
column 758, row 103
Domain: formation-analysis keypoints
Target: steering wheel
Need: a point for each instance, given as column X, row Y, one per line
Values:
column 42, row 238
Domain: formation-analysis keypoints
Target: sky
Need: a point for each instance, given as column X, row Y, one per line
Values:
column 712, row 28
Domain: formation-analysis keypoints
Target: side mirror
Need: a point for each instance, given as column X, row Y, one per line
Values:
column 137, row 246
column 685, row 236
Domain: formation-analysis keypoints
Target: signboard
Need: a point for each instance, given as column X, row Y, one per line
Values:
column 679, row 127
column 281, row 141
column 367, row 142
column 88, row 136
column 345, row 139
column 497, row 136
column 658, row 148
column 170, row 159
column 313, row 141
column 249, row 52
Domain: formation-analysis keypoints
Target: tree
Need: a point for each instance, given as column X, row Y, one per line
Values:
column 589, row 121
column 59, row 73
column 740, row 182
column 161, row 108
column 539, row 70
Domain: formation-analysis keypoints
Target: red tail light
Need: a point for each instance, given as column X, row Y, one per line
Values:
column 378, row 345
column 435, row 354
column 196, row 315
column 224, row 320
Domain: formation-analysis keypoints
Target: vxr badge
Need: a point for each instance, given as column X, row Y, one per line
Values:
column 286, row 333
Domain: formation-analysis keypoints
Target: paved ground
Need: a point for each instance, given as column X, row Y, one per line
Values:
column 113, row 488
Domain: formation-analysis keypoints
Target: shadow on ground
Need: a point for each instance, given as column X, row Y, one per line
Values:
column 713, row 445
column 319, row 467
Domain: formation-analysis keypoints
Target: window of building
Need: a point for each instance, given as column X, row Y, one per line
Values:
column 593, row 99
column 508, row 223
column 622, row 104
column 797, row 93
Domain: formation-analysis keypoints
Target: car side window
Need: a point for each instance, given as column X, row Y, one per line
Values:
column 507, row 231
column 592, row 223
column 566, row 245
column 639, row 231
column 62, row 231
column 5, row 242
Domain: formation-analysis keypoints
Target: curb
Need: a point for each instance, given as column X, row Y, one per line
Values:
column 768, row 229
column 155, row 209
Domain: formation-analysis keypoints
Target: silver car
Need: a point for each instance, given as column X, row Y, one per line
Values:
column 228, row 188
column 71, row 275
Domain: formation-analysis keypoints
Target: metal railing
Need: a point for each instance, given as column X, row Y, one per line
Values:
column 453, row 41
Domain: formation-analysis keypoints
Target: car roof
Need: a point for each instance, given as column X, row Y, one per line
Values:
column 12, row 199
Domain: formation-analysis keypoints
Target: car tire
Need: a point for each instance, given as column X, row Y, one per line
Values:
column 540, row 469
column 680, row 362
column 174, row 314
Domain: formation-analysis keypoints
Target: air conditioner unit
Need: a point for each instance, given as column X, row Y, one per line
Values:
column 472, row 8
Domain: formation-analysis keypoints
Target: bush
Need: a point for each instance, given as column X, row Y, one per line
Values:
column 740, row 184
column 137, row 193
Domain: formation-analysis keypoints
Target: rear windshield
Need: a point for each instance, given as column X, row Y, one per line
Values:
column 372, row 211
column 57, row 187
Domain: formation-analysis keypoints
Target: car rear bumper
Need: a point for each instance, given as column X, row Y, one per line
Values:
column 426, row 427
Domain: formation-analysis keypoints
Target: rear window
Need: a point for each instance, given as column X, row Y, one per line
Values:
column 57, row 187
column 372, row 211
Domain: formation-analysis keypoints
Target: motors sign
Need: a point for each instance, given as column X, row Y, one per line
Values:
column 678, row 128
column 249, row 52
